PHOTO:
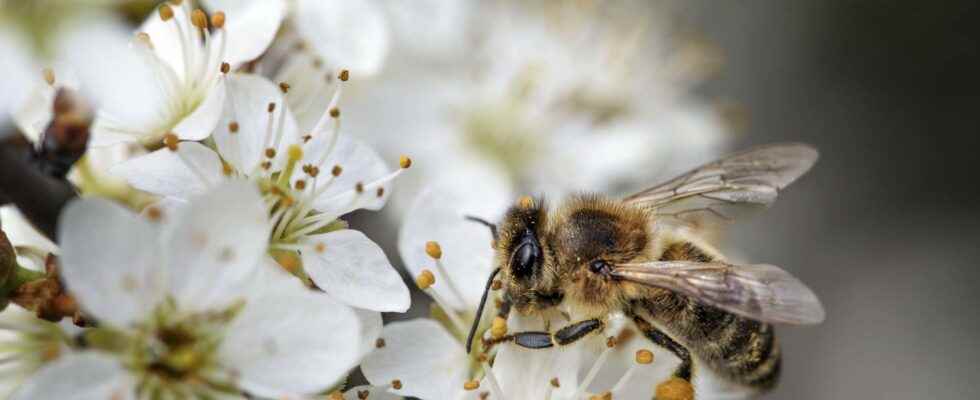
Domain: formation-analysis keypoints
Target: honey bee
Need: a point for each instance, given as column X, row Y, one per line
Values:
column 647, row 256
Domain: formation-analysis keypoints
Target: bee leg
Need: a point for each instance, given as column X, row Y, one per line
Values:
column 678, row 387
column 571, row 333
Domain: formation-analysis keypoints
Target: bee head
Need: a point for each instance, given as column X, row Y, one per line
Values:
column 522, row 256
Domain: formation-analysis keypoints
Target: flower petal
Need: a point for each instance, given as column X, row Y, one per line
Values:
column 438, row 214
column 352, row 268
column 81, row 376
column 184, row 173
column 373, row 393
column 200, row 123
column 17, row 70
column 429, row 362
column 110, row 260
column 247, row 104
column 303, row 351
column 352, row 34
column 360, row 164
column 526, row 374
column 251, row 26
column 216, row 244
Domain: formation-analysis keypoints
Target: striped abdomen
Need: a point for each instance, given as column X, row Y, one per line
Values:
column 743, row 350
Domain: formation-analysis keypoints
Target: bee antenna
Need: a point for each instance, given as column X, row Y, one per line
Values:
column 488, row 224
column 479, row 310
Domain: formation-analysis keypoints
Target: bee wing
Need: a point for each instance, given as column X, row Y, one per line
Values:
column 720, row 191
column 761, row 292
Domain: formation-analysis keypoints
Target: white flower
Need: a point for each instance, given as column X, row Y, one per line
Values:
column 16, row 67
column 308, row 182
column 185, row 309
column 428, row 356
column 168, row 78
column 27, row 343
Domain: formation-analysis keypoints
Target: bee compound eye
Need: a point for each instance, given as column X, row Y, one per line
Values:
column 525, row 258
column 599, row 267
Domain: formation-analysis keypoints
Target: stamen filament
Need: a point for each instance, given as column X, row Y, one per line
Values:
column 457, row 322
column 590, row 376
column 492, row 381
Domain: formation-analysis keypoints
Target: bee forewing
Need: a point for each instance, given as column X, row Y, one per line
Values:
column 719, row 191
column 761, row 292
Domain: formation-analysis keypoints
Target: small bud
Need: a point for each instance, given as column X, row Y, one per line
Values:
column 425, row 279
column 498, row 328
column 170, row 140
column 471, row 384
column 644, row 356
column 218, row 19
column 675, row 389
column 166, row 13
column 433, row 249
column 225, row 67
column 396, row 384
column 199, row 19
column 344, row 75
column 404, row 162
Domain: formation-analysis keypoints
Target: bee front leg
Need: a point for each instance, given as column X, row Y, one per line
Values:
column 543, row 340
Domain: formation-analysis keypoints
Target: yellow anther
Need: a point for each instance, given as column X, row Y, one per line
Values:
column 289, row 262
column 611, row 342
column 525, row 202
column 48, row 75
column 271, row 107
column 199, row 19
column 218, row 19
column 433, row 249
column 344, row 75
column 226, row 169
column 471, row 384
column 498, row 328
column 334, row 112
column 170, row 140
column 284, row 87
column 396, row 384
column 425, row 279
column 675, row 389
column 300, row 184
column 359, row 187
column 314, row 171
column 166, row 13
column 404, row 162
column 554, row 382
column 233, row 127
column 644, row 356
column 603, row 396
column 336, row 170
column 380, row 192
column 380, row 343
column 320, row 247
column 270, row 153
column 335, row 395
column 295, row 152
column 225, row 67
column 266, row 165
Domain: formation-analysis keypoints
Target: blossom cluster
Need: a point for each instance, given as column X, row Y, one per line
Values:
column 205, row 249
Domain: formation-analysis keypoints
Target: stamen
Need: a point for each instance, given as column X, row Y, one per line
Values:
column 552, row 385
column 166, row 13
column 380, row 343
column 643, row 357
column 471, row 385
column 335, row 395
column 218, row 20
column 435, row 251
column 380, row 192
column 199, row 19
column 48, row 76
column 344, row 75
column 336, row 170
column 300, row 184
column 404, row 162
column 270, row 153
column 396, row 384
column 233, row 127
column 284, row 87
column 603, row 396
column 425, row 280
column 596, row 367
column 492, row 381
column 335, row 112
column 225, row 67
column 170, row 140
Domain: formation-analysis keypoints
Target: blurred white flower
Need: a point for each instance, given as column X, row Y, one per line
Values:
column 27, row 343
column 184, row 308
column 169, row 78
column 307, row 181
column 17, row 67
column 560, row 97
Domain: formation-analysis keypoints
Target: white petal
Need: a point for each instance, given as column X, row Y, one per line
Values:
column 353, row 269
column 82, row 376
column 430, row 363
column 118, row 77
column 20, row 232
column 360, row 163
column 216, row 245
column 526, row 374
column 247, row 103
column 110, row 260
column 371, row 325
column 303, row 351
column 351, row 34
column 17, row 69
column 438, row 215
column 189, row 171
column 167, row 43
column 251, row 26
column 200, row 123
column 374, row 393
column 430, row 27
